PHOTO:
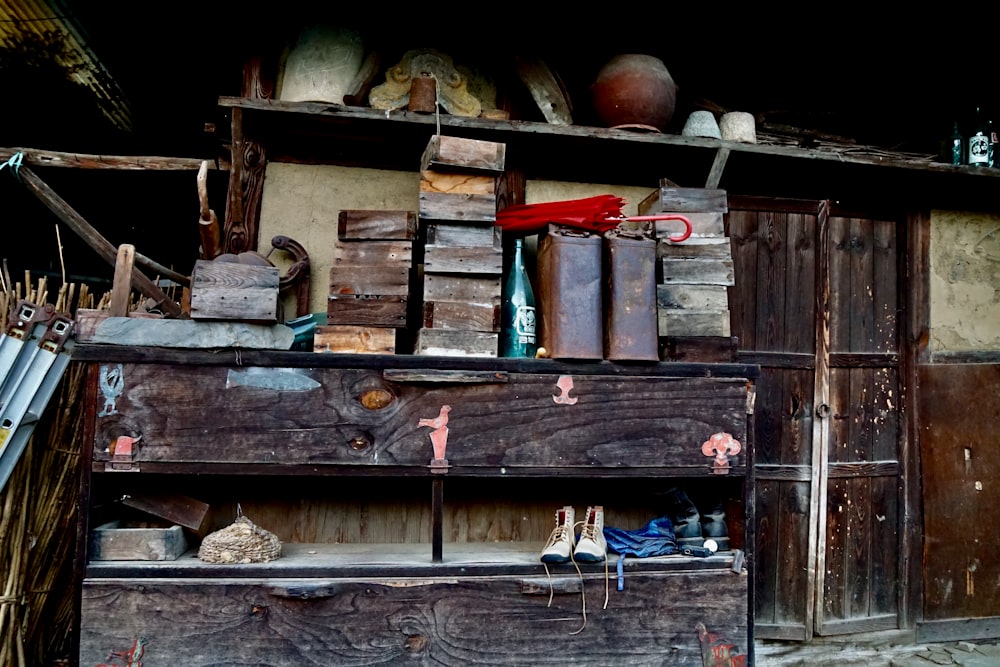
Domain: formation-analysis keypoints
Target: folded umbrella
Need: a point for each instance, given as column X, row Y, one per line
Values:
column 598, row 214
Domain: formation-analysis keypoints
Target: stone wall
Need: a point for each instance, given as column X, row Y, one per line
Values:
column 965, row 282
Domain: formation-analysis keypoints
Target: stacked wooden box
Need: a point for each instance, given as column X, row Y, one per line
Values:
column 692, row 292
column 462, row 252
column 370, row 282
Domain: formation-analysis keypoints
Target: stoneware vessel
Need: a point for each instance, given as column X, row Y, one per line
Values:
column 633, row 89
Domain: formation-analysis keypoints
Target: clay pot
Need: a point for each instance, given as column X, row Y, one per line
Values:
column 635, row 90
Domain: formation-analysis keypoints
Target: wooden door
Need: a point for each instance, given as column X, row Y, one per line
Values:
column 816, row 305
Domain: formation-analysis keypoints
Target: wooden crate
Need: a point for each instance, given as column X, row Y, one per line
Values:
column 447, row 153
column 233, row 291
column 117, row 540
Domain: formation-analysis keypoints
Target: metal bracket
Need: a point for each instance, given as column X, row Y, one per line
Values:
column 123, row 455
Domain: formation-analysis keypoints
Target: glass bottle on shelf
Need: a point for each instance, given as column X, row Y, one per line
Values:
column 517, row 310
column 979, row 143
column 956, row 146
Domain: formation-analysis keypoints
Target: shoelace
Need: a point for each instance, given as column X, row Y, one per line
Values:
column 588, row 531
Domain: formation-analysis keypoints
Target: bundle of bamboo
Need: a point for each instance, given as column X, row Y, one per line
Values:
column 38, row 508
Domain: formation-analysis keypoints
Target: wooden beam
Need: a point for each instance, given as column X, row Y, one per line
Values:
column 41, row 158
column 718, row 166
column 93, row 238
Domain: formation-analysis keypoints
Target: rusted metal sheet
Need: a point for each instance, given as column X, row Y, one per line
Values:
column 960, row 472
column 630, row 316
column 570, row 294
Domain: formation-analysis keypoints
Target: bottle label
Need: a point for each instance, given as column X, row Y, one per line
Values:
column 524, row 324
column 979, row 149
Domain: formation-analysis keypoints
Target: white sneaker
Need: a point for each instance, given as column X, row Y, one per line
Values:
column 592, row 547
column 560, row 544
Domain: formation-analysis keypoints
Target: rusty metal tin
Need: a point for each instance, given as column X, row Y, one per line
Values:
column 630, row 324
column 570, row 294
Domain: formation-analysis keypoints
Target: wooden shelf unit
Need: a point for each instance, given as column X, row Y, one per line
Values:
column 384, row 555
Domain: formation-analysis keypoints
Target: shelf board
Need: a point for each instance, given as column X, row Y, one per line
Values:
column 329, row 561
column 360, row 136
column 87, row 352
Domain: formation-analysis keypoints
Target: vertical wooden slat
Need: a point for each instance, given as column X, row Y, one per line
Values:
column 765, row 551
column 770, row 333
column 800, row 278
column 742, row 227
column 914, row 283
column 821, row 424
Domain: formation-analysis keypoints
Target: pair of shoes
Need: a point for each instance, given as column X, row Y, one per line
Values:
column 563, row 545
column 693, row 528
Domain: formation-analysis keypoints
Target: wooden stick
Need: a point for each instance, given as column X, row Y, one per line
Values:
column 121, row 288
column 93, row 238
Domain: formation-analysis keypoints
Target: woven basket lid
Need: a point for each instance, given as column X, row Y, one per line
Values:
column 240, row 542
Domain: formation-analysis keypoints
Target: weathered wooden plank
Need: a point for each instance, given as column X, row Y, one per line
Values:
column 703, row 223
column 791, row 581
column 479, row 260
column 743, row 250
column 800, row 279
column 701, row 246
column 37, row 157
column 461, row 315
column 373, row 255
column 461, row 288
column 465, row 621
column 455, row 183
column 376, row 225
column 514, row 424
column 673, row 296
column 354, row 339
column 459, row 235
column 450, row 153
column 231, row 290
column 693, row 271
column 674, row 199
column 470, row 209
column 672, row 322
column 367, row 310
column 377, row 279
column 456, row 343
column 172, row 507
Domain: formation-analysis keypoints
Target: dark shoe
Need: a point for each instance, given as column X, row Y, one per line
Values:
column 685, row 517
column 713, row 525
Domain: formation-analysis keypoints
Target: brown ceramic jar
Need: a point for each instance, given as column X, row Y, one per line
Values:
column 635, row 90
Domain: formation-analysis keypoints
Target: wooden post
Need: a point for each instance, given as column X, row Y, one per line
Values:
column 121, row 288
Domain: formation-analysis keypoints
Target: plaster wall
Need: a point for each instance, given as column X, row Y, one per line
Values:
column 965, row 281
column 304, row 202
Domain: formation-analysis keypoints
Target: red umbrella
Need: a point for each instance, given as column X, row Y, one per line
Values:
column 594, row 214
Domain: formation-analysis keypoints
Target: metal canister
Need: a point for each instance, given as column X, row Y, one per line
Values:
column 570, row 294
column 630, row 325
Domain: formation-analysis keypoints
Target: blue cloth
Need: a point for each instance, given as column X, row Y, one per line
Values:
column 656, row 538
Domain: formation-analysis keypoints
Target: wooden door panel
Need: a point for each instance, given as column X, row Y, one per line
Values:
column 816, row 304
column 859, row 472
column 773, row 309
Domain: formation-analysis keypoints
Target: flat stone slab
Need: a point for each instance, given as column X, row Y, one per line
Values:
column 192, row 334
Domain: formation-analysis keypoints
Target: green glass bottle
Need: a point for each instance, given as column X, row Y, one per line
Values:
column 957, row 146
column 517, row 310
